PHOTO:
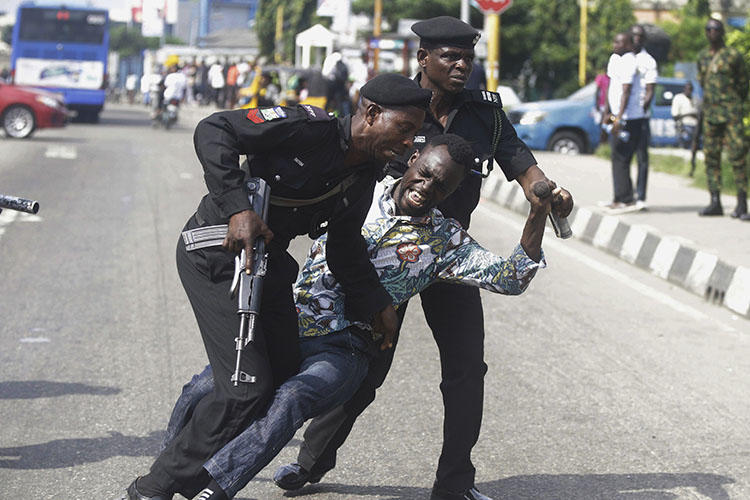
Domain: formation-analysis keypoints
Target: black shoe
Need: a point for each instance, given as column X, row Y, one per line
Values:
column 470, row 494
column 294, row 476
column 132, row 493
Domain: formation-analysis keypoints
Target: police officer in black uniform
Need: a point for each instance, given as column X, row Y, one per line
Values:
column 453, row 312
column 321, row 171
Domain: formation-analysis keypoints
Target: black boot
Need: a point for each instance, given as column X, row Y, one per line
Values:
column 715, row 207
column 741, row 208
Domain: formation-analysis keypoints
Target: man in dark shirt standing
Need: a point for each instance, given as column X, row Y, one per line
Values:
column 453, row 312
column 322, row 172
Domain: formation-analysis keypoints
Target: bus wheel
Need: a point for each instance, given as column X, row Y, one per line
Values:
column 18, row 122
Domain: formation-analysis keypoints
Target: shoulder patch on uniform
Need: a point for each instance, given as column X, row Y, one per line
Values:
column 253, row 114
column 486, row 96
column 315, row 114
column 275, row 113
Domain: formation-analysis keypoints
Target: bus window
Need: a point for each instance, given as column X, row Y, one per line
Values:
column 62, row 26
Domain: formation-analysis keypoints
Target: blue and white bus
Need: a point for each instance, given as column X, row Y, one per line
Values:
column 63, row 48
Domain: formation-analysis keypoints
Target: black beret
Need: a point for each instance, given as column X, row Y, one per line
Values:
column 447, row 30
column 392, row 89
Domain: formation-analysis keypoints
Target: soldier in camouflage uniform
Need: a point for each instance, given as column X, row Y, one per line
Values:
column 724, row 78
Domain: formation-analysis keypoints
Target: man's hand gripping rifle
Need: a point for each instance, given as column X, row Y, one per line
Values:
column 249, row 287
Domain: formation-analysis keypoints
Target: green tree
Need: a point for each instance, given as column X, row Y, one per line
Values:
column 539, row 43
column 553, row 32
column 686, row 34
column 128, row 41
column 605, row 21
column 298, row 16
column 697, row 8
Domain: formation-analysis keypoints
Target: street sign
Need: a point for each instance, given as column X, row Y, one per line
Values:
column 494, row 6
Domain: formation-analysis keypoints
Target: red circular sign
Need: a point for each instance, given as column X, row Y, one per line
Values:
column 494, row 6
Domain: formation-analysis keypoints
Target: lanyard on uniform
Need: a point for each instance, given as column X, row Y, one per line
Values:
column 497, row 130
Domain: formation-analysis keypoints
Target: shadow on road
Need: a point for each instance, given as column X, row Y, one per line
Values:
column 63, row 453
column 32, row 389
column 558, row 487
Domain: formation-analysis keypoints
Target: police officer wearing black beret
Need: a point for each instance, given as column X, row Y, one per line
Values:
column 321, row 171
column 454, row 312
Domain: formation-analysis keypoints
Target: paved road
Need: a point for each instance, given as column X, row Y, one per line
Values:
column 604, row 381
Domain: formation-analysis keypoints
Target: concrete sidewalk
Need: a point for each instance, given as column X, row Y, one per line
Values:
column 709, row 256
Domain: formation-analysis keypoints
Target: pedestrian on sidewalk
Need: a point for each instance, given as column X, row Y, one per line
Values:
column 627, row 118
column 723, row 75
column 644, row 83
column 685, row 114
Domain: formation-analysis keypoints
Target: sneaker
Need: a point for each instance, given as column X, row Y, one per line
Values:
column 470, row 494
column 294, row 476
column 132, row 493
column 641, row 205
column 617, row 207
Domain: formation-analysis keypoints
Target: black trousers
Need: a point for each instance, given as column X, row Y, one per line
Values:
column 273, row 357
column 454, row 313
column 622, row 155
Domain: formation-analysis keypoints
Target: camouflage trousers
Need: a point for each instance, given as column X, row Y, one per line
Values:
column 713, row 140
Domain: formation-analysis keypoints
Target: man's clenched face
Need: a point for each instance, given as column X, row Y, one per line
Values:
column 431, row 177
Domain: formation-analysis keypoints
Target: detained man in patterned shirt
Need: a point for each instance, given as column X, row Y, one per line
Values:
column 411, row 246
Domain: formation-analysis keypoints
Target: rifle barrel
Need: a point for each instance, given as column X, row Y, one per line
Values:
column 19, row 204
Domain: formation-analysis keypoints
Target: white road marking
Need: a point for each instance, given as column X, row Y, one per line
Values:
column 33, row 340
column 65, row 152
column 612, row 273
column 7, row 216
column 24, row 217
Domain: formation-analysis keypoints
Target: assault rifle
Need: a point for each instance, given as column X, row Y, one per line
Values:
column 19, row 204
column 249, row 287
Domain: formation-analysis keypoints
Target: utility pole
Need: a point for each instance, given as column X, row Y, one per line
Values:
column 493, row 50
column 279, row 34
column 376, row 18
column 583, row 43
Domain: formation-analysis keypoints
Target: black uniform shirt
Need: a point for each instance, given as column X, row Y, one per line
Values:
column 472, row 117
column 300, row 152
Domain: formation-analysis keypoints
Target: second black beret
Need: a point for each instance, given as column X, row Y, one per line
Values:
column 392, row 89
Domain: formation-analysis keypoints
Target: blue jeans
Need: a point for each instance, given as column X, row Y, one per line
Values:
column 333, row 367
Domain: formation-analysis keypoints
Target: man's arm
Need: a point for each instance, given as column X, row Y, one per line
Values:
column 467, row 262
column 742, row 77
column 219, row 141
column 518, row 163
column 648, row 97
column 624, row 100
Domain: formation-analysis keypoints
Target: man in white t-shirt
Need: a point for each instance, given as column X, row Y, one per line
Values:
column 626, row 115
column 685, row 114
column 643, row 88
column 175, row 85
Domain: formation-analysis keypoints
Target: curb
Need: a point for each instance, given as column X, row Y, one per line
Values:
column 668, row 257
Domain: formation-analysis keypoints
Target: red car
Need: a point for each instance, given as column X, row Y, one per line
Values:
column 25, row 109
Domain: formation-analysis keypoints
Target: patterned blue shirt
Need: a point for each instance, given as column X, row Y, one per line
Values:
column 409, row 254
